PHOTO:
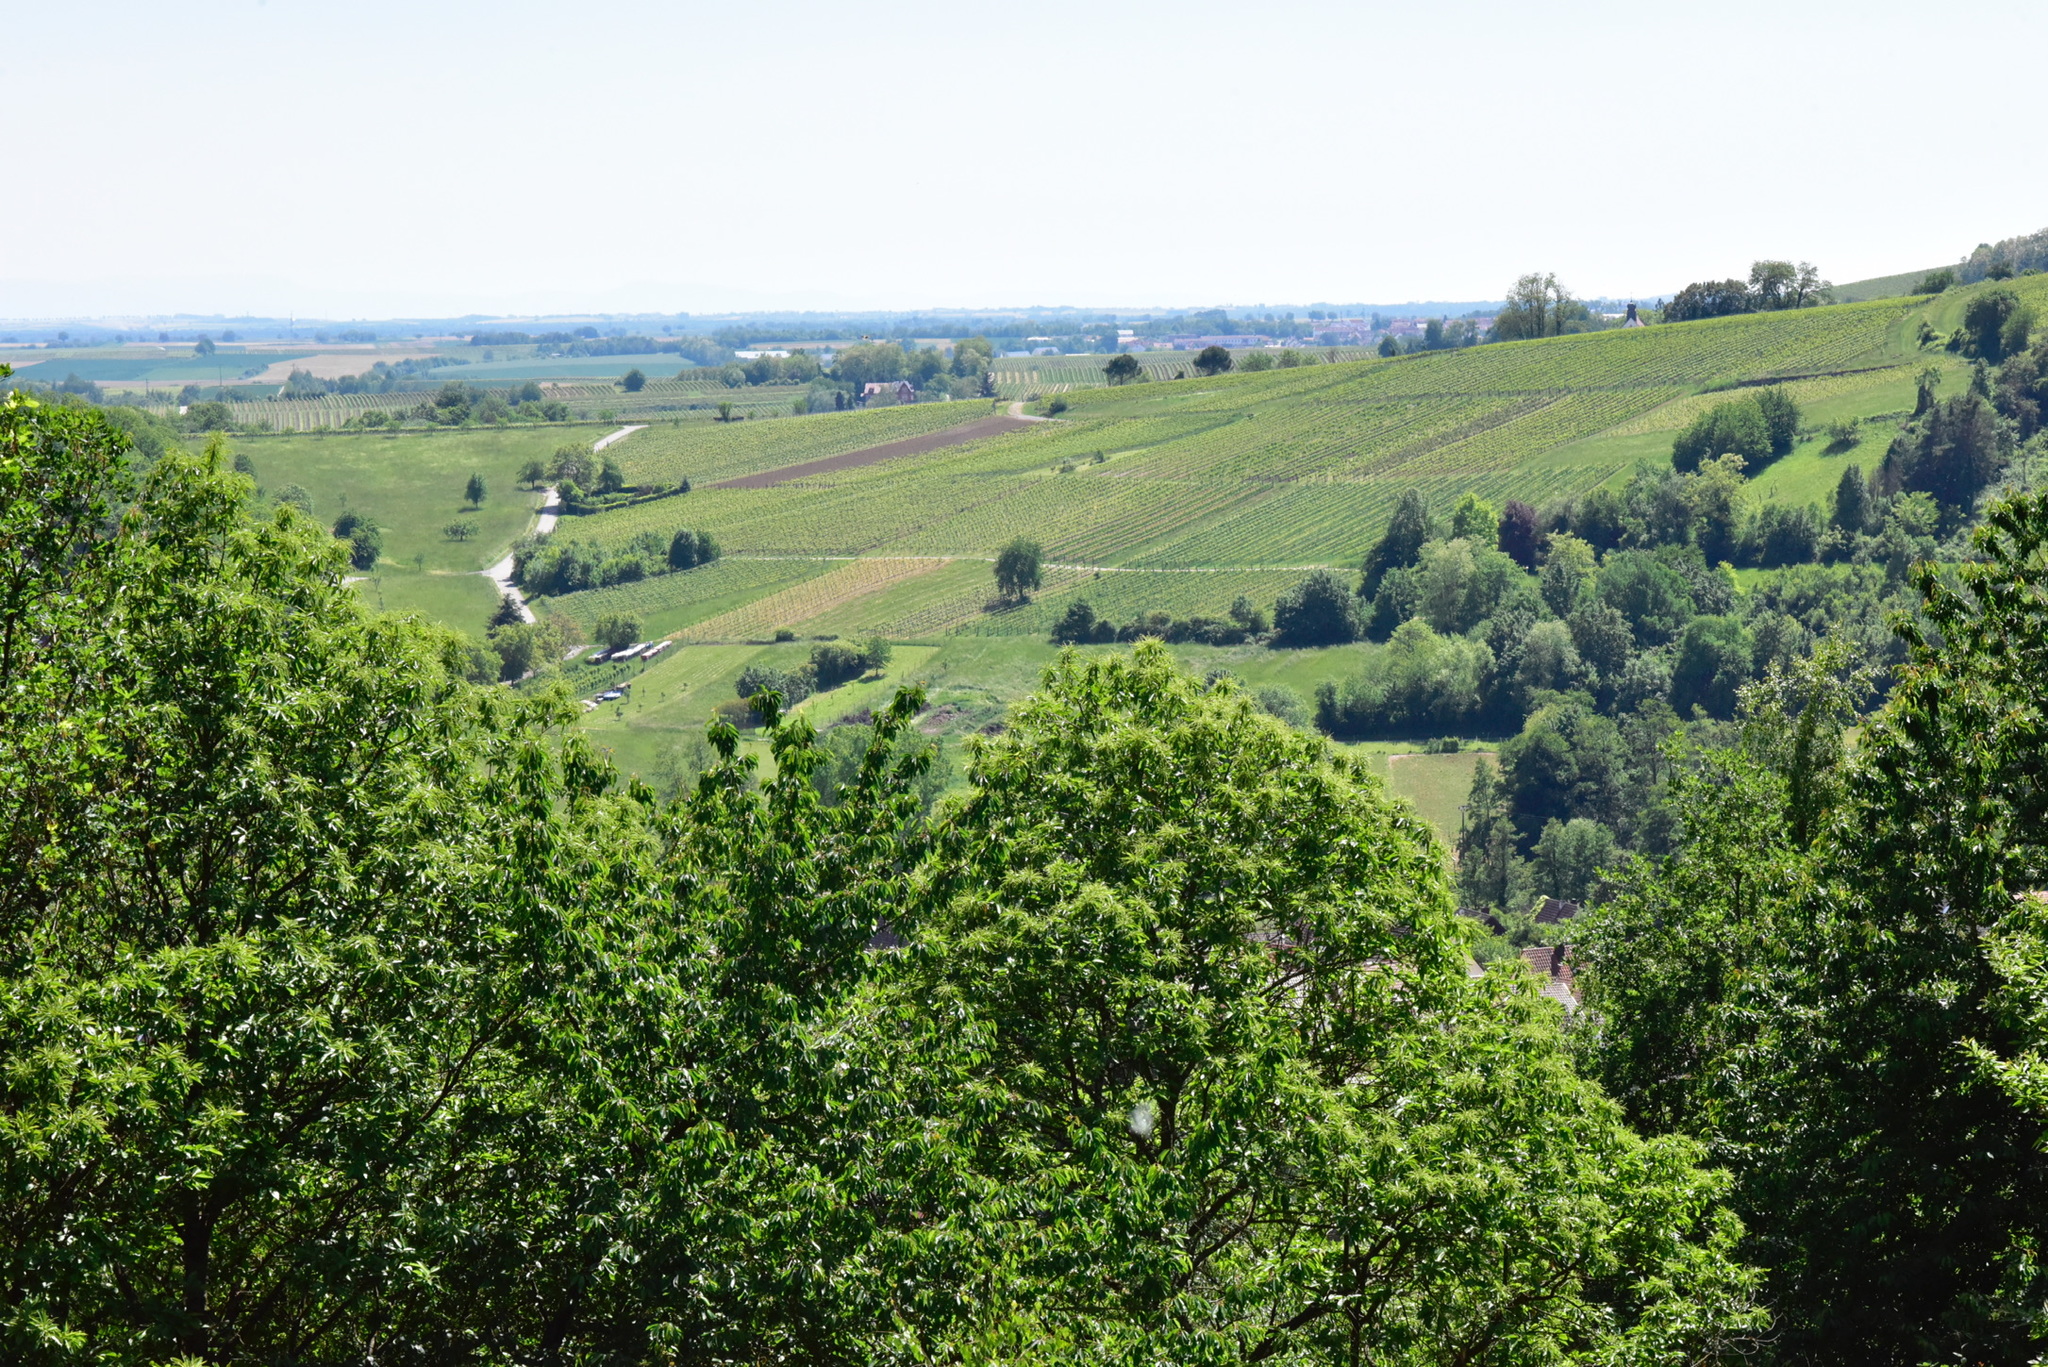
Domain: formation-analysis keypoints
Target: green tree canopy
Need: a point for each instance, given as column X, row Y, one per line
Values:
column 1321, row 610
column 1017, row 568
column 1161, row 913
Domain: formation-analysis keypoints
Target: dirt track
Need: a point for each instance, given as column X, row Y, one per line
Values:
column 870, row 455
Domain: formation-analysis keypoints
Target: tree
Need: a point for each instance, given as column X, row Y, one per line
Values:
column 725, row 411
column 1651, row 596
column 364, row 537
column 1212, row 360
column 1952, row 452
column 616, row 629
column 1527, row 312
column 1409, row 526
column 1712, row 665
column 1473, row 519
column 459, row 530
column 1984, row 323
column 1518, row 535
column 1709, row 299
column 573, row 464
column 532, row 473
column 475, row 490
column 1896, row 1181
column 1389, row 347
column 1570, row 858
column 1321, row 610
column 1160, row 913
column 327, row 815
column 1807, row 288
column 1017, row 569
column 1781, row 419
column 1568, row 573
column 633, row 381
column 1772, row 284
column 203, row 347
column 1122, row 368
column 1852, row 502
column 1734, row 428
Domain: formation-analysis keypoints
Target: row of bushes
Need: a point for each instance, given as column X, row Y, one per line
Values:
column 556, row 565
column 1080, row 626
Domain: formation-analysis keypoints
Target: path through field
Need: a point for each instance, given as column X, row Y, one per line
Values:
column 500, row 574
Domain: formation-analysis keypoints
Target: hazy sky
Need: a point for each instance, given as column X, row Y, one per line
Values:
column 372, row 158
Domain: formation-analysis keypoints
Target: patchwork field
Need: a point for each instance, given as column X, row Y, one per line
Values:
column 1173, row 496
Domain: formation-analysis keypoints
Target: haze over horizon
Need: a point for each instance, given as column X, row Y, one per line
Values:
column 269, row 158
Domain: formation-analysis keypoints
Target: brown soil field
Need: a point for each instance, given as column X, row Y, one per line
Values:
column 870, row 455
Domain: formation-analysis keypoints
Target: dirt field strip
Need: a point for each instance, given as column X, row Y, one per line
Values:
column 992, row 426
column 799, row 603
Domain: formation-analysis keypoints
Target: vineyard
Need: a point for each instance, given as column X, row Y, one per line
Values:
column 1019, row 377
column 1178, row 496
column 801, row 603
column 672, row 602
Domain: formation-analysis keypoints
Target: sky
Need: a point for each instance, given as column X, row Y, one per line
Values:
column 434, row 158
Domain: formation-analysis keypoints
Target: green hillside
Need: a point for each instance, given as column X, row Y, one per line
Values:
column 1880, row 286
column 1176, row 497
column 1180, row 495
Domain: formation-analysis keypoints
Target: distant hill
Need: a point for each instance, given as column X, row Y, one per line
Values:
column 1880, row 286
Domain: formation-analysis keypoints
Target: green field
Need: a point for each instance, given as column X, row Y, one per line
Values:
column 412, row 483
column 462, row 601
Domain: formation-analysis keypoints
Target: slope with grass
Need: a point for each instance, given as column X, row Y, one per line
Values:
column 412, row 484
column 1282, row 468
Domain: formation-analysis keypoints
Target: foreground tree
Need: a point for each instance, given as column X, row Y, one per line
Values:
column 1809, row 983
column 1239, row 1100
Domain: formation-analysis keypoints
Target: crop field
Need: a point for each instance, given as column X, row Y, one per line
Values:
column 813, row 598
column 1018, row 376
column 705, row 454
column 1280, row 468
column 669, row 603
column 1121, row 595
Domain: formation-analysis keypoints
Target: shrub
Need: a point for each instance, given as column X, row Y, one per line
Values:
column 1319, row 611
column 616, row 629
column 1737, row 428
column 365, row 538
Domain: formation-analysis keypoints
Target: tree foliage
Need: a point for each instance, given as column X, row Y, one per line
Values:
column 1017, row 568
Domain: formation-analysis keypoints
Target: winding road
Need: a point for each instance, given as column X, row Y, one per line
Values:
column 500, row 574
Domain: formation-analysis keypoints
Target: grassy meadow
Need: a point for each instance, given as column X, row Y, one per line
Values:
column 412, row 483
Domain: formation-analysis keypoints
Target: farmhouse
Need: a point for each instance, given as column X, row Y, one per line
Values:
column 900, row 390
